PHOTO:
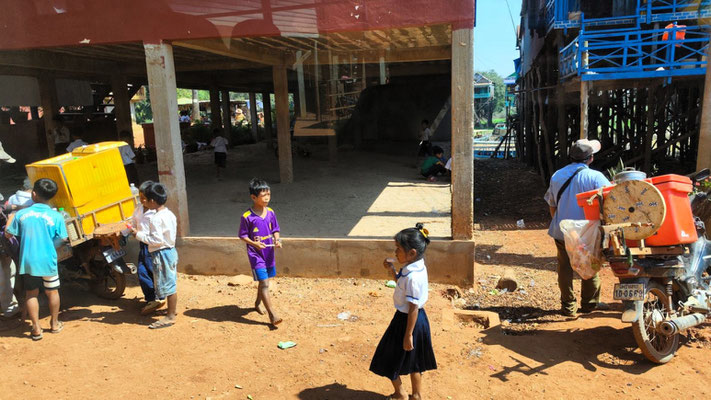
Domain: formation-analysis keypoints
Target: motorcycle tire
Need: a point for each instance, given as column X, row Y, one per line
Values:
column 110, row 285
column 655, row 346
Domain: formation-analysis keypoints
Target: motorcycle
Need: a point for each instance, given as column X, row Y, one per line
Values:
column 665, row 283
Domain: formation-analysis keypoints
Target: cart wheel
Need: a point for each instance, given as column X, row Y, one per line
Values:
column 110, row 285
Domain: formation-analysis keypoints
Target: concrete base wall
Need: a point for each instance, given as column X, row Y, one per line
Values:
column 448, row 261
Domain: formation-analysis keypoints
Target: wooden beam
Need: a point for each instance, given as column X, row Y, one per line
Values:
column 122, row 105
column 48, row 99
column 281, row 95
column 226, row 114
column 462, row 134
column 57, row 62
column 253, row 119
column 703, row 155
column 236, row 49
column 394, row 55
column 164, row 103
column 267, row 101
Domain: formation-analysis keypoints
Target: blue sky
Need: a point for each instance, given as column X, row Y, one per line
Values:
column 494, row 36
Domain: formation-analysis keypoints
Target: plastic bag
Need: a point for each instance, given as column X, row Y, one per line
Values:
column 582, row 243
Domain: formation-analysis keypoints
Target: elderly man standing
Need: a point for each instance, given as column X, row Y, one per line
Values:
column 565, row 184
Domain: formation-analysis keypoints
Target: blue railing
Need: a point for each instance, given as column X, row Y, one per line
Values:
column 674, row 10
column 647, row 11
column 629, row 54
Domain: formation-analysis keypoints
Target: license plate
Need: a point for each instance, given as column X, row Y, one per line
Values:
column 112, row 255
column 628, row 291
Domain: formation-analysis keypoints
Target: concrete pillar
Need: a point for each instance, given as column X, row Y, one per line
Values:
column 164, row 104
column 215, row 114
column 195, row 115
column 462, row 134
column 48, row 99
column 253, row 119
column 703, row 156
column 122, row 105
column 226, row 114
column 383, row 77
column 281, row 100
column 267, row 101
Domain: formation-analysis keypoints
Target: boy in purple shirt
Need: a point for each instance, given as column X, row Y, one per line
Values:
column 260, row 230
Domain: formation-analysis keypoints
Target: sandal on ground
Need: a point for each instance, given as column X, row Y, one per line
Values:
column 59, row 327
column 152, row 306
column 161, row 324
column 36, row 337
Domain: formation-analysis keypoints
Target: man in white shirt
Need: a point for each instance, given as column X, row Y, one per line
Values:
column 220, row 144
column 128, row 158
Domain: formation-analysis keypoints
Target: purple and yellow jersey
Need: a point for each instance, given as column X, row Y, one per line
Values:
column 259, row 229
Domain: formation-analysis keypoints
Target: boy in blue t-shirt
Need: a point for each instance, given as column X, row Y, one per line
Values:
column 260, row 230
column 40, row 230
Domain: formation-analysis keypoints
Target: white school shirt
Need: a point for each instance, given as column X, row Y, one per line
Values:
column 425, row 134
column 220, row 144
column 412, row 286
column 127, row 154
column 77, row 143
column 140, row 218
column 162, row 229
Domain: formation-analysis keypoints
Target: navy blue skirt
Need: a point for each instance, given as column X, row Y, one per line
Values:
column 391, row 360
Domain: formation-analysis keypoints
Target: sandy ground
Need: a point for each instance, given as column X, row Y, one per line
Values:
column 219, row 343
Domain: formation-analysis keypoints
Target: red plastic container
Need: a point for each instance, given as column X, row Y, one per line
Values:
column 678, row 226
column 592, row 212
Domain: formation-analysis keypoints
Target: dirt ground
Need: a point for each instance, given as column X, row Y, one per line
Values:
column 219, row 344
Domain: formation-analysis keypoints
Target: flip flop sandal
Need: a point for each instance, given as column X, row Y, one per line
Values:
column 160, row 324
column 36, row 337
column 59, row 328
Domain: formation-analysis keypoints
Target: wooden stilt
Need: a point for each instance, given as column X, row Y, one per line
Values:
column 703, row 154
column 281, row 96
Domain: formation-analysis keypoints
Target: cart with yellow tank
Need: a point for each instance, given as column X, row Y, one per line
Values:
column 95, row 197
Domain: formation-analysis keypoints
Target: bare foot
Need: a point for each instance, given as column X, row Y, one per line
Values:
column 276, row 320
column 397, row 396
column 258, row 308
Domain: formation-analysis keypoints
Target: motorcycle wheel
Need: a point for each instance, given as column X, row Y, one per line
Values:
column 109, row 285
column 657, row 347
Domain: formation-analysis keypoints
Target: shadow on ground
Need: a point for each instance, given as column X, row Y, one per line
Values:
column 489, row 254
column 228, row 313
column 337, row 391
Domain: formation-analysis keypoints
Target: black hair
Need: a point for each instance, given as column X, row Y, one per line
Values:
column 424, row 121
column 157, row 192
column 45, row 188
column 144, row 186
column 437, row 150
column 413, row 238
column 257, row 186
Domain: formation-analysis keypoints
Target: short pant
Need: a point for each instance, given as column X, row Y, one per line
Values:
column 165, row 272
column 220, row 159
column 261, row 274
column 40, row 282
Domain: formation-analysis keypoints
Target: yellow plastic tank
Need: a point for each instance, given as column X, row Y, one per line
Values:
column 92, row 184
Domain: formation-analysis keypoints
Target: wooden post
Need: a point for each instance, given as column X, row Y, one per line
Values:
column 48, row 99
column 267, row 101
column 584, row 107
column 164, row 104
column 226, row 114
column 253, row 119
column 649, row 133
column 703, row 155
column 383, row 77
column 122, row 106
column 364, row 73
column 195, row 115
column 302, row 85
column 215, row 114
column 281, row 99
column 462, row 134
column 335, row 90
column 562, row 122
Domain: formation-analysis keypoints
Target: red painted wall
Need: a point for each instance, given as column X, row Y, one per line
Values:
column 48, row 23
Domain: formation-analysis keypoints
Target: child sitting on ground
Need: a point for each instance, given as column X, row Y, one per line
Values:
column 140, row 218
column 260, row 230
column 40, row 230
column 406, row 346
column 160, row 239
column 434, row 165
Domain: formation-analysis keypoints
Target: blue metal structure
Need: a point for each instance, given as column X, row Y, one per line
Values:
column 621, row 48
